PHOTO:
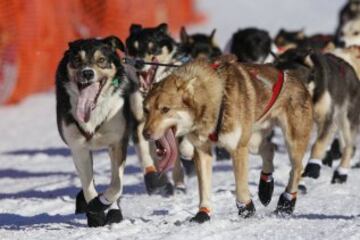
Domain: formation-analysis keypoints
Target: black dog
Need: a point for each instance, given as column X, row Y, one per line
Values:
column 199, row 45
column 251, row 45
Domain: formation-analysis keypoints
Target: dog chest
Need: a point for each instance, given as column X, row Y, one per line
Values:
column 231, row 139
column 102, row 133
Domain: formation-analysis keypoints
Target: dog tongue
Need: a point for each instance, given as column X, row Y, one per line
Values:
column 170, row 153
column 86, row 101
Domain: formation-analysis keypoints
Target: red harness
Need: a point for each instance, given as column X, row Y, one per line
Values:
column 214, row 136
column 275, row 93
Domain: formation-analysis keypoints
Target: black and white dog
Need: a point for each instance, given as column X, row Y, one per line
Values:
column 93, row 113
column 154, row 44
column 285, row 40
column 348, row 13
column 335, row 107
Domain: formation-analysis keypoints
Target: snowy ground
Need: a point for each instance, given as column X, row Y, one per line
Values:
column 38, row 185
column 38, row 182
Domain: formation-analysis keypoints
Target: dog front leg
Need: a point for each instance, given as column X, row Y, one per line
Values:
column 184, row 164
column 84, row 166
column 143, row 149
column 243, row 200
column 203, row 165
column 154, row 182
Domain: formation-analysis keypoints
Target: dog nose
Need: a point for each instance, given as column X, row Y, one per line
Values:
column 146, row 134
column 88, row 74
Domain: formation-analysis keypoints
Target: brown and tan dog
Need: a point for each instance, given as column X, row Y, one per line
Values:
column 228, row 105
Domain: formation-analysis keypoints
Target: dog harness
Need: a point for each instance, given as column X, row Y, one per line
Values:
column 276, row 89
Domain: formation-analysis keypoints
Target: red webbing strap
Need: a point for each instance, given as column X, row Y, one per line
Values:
column 275, row 93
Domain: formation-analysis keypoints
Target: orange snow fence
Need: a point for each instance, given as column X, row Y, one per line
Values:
column 35, row 33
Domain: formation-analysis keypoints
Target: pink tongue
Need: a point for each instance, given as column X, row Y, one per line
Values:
column 168, row 142
column 86, row 101
column 148, row 77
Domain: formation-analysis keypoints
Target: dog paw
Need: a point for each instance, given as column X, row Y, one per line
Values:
column 96, row 206
column 266, row 188
column 96, row 219
column 312, row 170
column 189, row 167
column 158, row 184
column 80, row 204
column 180, row 189
column 338, row 178
column 201, row 217
column 221, row 154
column 246, row 210
column 114, row 216
column 302, row 188
column 328, row 159
column 286, row 204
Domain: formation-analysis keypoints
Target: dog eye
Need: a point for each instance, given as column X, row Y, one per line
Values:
column 155, row 51
column 76, row 62
column 164, row 109
column 101, row 60
column 356, row 33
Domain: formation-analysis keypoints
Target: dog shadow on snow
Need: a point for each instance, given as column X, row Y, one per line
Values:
column 12, row 221
column 53, row 151
column 69, row 191
column 320, row 216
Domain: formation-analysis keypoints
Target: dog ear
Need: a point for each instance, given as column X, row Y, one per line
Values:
column 300, row 34
column 163, row 27
column 73, row 44
column 212, row 34
column 190, row 85
column 307, row 56
column 184, row 37
column 134, row 28
column 114, row 42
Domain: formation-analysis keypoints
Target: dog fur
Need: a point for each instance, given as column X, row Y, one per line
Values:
column 349, row 33
column 199, row 44
column 335, row 107
column 350, row 11
column 151, row 44
column 88, row 62
column 351, row 55
column 285, row 40
column 193, row 95
column 252, row 45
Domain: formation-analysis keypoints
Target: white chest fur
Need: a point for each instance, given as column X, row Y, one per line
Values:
column 230, row 140
column 107, row 114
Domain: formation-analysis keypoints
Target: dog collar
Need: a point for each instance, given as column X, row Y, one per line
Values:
column 275, row 93
column 115, row 82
